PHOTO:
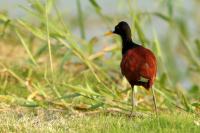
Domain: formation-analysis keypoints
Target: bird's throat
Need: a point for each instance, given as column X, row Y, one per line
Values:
column 127, row 44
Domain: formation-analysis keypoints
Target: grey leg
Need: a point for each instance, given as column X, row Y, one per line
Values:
column 154, row 101
column 133, row 101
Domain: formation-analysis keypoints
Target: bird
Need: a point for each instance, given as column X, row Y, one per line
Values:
column 138, row 64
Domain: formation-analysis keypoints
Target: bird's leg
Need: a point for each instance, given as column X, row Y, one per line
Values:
column 154, row 101
column 133, row 101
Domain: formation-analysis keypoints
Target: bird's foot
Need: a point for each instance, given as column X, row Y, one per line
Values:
column 131, row 114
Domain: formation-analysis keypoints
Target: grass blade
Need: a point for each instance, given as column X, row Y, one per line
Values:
column 95, row 5
column 80, row 19
column 26, row 48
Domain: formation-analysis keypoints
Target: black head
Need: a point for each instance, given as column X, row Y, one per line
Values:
column 123, row 30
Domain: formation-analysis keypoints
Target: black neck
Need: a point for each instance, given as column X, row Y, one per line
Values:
column 127, row 44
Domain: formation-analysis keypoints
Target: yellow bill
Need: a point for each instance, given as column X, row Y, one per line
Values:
column 108, row 33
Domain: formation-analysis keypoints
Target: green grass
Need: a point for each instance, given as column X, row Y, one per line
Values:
column 41, row 120
column 45, row 66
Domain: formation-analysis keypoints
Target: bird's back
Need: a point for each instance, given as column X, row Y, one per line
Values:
column 139, row 66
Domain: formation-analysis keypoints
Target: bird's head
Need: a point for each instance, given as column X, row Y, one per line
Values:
column 122, row 29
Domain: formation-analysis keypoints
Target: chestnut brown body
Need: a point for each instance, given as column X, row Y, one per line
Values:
column 139, row 67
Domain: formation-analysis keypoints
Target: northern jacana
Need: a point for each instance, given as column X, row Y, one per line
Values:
column 138, row 64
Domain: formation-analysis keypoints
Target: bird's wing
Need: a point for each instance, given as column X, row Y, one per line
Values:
column 148, row 68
